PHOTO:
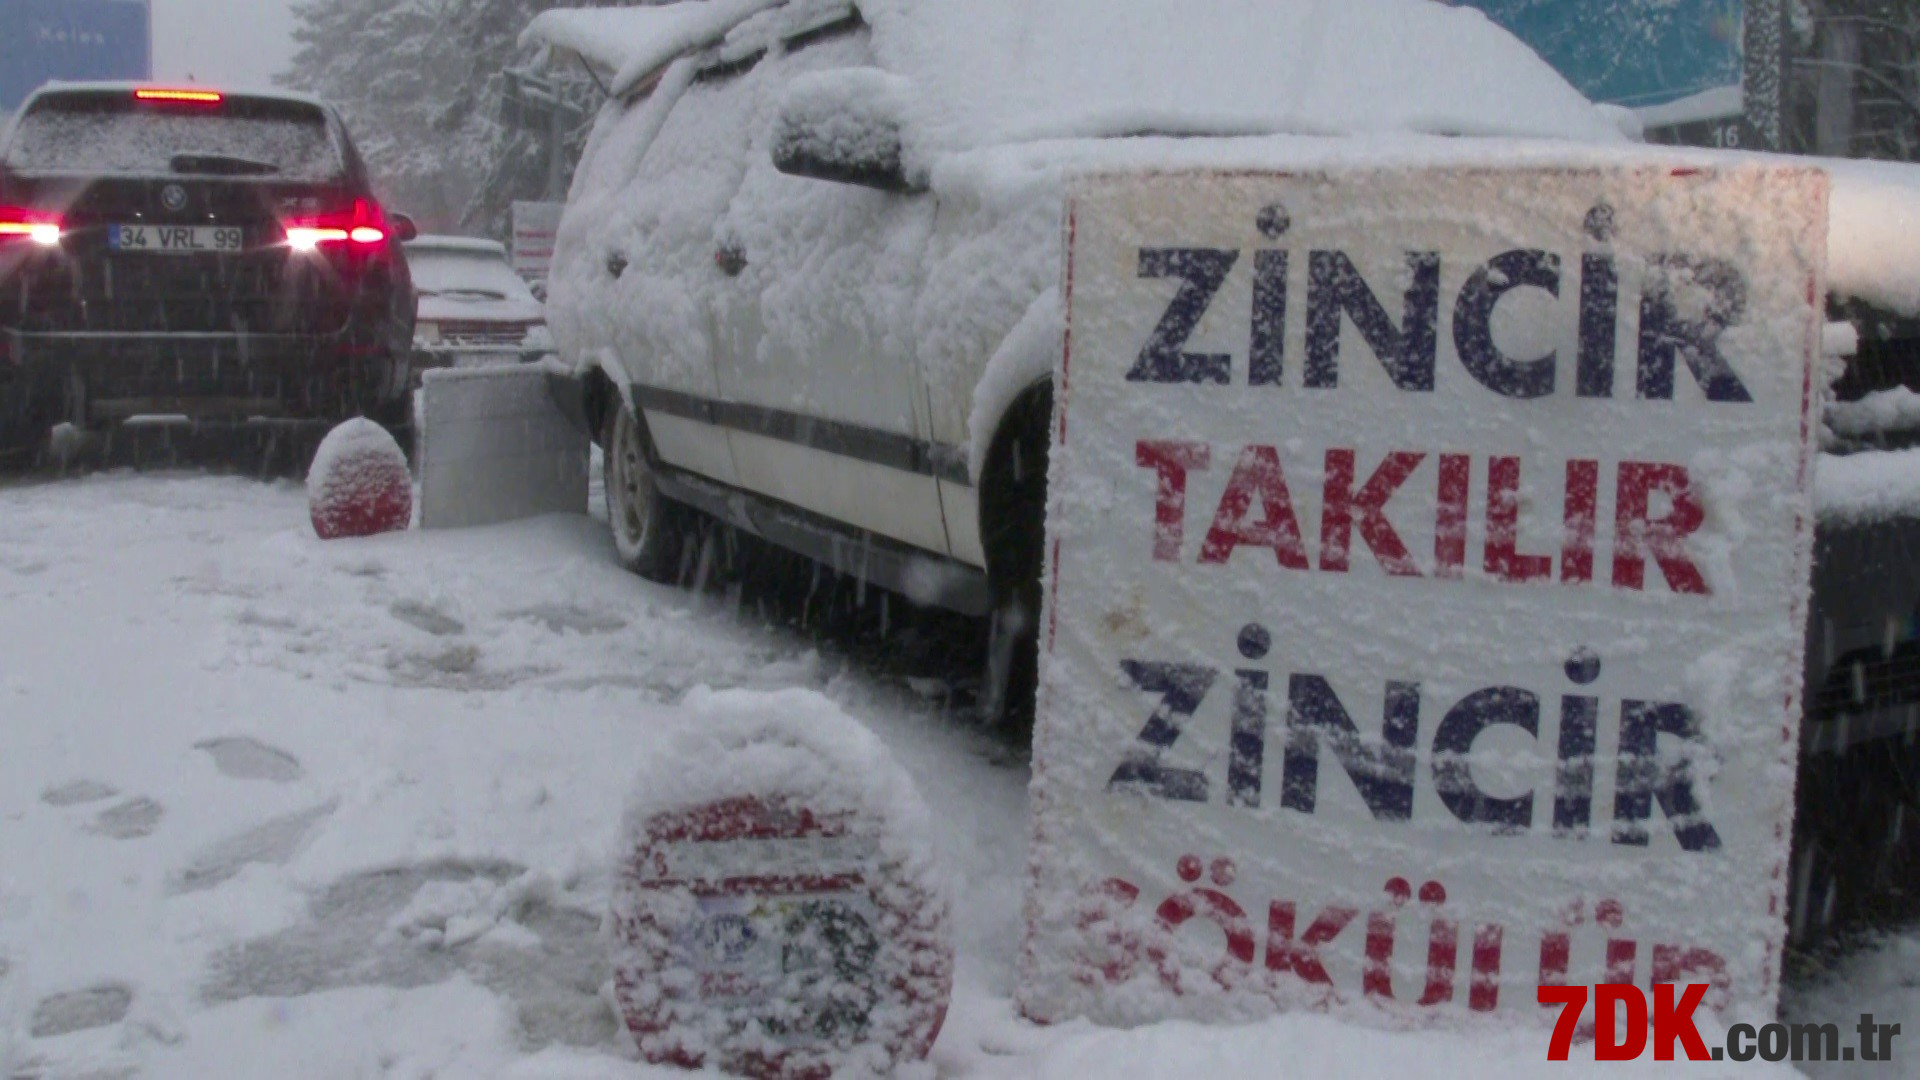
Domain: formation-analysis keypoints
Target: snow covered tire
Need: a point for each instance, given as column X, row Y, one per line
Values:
column 1014, row 490
column 647, row 527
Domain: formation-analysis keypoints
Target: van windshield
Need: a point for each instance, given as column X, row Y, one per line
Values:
column 113, row 133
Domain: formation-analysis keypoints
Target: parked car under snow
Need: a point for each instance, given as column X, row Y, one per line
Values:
column 474, row 308
column 808, row 275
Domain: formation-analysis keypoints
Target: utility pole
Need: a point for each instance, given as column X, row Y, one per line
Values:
column 1839, row 43
column 529, row 102
column 556, row 171
column 1764, row 45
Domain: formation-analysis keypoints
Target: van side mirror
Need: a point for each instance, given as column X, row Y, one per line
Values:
column 404, row 228
column 847, row 127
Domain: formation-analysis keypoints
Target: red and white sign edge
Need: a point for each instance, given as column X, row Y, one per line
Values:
column 1166, row 880
column 776, row 796
column 536, row 225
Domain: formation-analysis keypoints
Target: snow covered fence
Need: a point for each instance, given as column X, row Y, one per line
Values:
column 493, row 446
column 1518, row 461
column 778, row 910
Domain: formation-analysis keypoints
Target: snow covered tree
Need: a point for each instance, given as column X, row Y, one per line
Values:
column 1855, row 78
column 513, row 161
column 419, row 84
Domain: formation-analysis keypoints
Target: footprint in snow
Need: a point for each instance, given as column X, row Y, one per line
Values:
column 458, row 667
column 560, row 618
column 513, row 932
column 81, row 1010
column 427, row 618
column 454, row 661
column 617, row 680
column 78, row 793
column 267, row 621
column 129, row 820
column 241, row 758
column 272, row 843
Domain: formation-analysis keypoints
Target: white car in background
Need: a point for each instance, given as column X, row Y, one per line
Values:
column 473, row 308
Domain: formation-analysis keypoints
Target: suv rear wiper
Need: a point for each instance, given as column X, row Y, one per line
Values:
column 220, row 165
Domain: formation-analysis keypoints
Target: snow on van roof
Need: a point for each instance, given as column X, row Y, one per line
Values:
column 634, row 42
column 992, row 71
column 1873, row 238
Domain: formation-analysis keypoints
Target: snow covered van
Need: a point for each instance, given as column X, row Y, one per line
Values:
column 808, row 275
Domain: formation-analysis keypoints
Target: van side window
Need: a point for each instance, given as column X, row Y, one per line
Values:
column 836, row 46
column 728, row 70
column 643, row 89
column 846, row 26
column 694, row 162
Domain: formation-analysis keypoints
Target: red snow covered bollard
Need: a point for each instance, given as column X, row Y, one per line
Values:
column 359, row 484
column 777, row 910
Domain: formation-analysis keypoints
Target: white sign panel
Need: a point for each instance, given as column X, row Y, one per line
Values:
column 1429, row 562
column 492, row 446
column 535, row 224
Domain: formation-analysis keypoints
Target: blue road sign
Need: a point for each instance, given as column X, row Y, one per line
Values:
column 71, row 39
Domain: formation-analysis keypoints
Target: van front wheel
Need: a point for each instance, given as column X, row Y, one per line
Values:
column 648, row 528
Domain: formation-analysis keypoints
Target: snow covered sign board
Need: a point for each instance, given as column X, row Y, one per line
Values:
column 1428, row 565
column 777, row 911
column 535, row 224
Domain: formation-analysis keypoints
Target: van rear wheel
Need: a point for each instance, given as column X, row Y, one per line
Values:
column 1014, row 517
column 648, row 528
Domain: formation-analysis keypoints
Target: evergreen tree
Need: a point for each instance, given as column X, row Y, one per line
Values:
column 1855, row 78
column 419, row 84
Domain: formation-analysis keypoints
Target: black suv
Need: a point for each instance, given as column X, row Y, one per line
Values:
column 173, row 256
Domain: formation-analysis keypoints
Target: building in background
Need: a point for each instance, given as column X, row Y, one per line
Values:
column 71, row 39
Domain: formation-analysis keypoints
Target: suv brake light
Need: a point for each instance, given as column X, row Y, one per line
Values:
column 39, row 226
column 365, row 225
column 195, row 97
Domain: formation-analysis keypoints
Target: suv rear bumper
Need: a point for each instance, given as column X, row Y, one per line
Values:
column 96, row 379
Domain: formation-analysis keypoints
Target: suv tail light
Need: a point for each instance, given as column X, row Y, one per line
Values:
column 192, row 97
column 41, row 227
column 363, row 226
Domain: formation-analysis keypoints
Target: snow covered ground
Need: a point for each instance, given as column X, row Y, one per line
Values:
column 272, row 807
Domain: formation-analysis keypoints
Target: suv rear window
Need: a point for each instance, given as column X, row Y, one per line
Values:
column 113, row 133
